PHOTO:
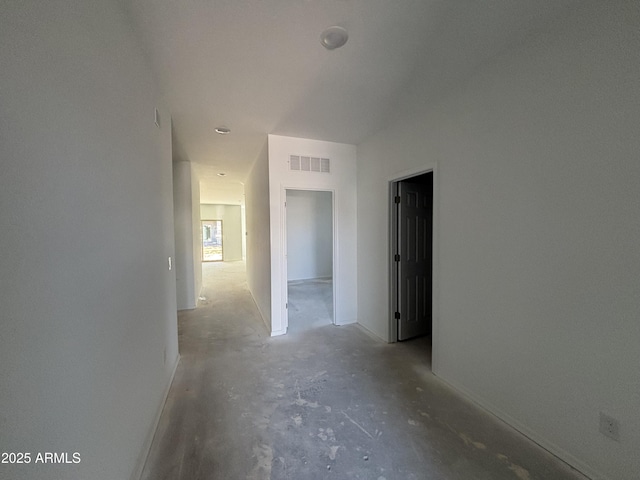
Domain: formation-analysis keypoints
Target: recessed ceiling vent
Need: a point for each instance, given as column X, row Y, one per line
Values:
column 301, row 163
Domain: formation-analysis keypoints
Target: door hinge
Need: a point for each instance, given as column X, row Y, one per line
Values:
column 396, row 257
column 397, row 199
column 286, row 306
column 397, row 316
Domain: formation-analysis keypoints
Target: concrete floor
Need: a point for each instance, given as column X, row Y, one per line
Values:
column 326, row 403
column 310, row 304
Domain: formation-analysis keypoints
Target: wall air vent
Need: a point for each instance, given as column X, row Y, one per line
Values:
column 303, row 163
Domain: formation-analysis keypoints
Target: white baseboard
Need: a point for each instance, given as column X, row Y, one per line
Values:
column 347, row 322
column 370, row 333
column 142, row 460
column 297, row 281
column 529, row 433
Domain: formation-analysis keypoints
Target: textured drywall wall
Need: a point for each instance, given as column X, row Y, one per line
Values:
column 231, row 228
column 537, row 232
column 342, row 182
column 89, row 329
column 309, row 234
column 258, row 236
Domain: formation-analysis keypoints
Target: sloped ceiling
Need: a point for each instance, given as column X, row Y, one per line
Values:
column 257, row 67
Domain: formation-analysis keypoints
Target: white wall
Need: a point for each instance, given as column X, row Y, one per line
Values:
column 309, row 234
column 88, row 302
column 342, row 181
column 188, row 237
column 231, row 217
column 243, row 229
column 538, row 234
column 258, row 235
column 196, row 227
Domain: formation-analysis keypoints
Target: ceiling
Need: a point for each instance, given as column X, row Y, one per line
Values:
column 258, row 68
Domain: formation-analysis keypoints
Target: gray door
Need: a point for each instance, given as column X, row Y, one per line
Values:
column 414, row 203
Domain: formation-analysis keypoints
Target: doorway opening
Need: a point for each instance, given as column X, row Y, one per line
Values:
column 411, row 207
column 211, row 240
column 309, row 259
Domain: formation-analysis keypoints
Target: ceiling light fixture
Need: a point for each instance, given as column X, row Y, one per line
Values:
column 334, row 37
column 223, row 130
column 222, row 174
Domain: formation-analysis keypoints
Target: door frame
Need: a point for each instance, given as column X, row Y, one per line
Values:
column 393, row 244
column 334, row 249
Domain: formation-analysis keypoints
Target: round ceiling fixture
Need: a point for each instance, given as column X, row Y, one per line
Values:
column 334, row 37
column 221, row 174
column 223, row 130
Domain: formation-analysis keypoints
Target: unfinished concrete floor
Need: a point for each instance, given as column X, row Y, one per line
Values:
column 327, row 403
column 310, row 304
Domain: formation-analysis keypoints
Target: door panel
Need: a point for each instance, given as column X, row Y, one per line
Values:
column 414, row 214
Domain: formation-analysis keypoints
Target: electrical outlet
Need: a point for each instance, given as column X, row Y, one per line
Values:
column 609, row 427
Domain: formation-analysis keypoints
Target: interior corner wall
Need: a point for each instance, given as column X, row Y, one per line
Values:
column 342, row 182
column 231, row 216
column 258, row 235
column 187, row 229
column 309, row 235
column 538, row 233
column 89, row 330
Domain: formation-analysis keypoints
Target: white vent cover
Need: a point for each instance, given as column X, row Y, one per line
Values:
column 303, row 163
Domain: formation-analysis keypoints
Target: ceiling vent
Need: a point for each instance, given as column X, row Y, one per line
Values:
column 302, row 163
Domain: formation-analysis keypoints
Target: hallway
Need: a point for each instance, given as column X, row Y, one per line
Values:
column 331, row 402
